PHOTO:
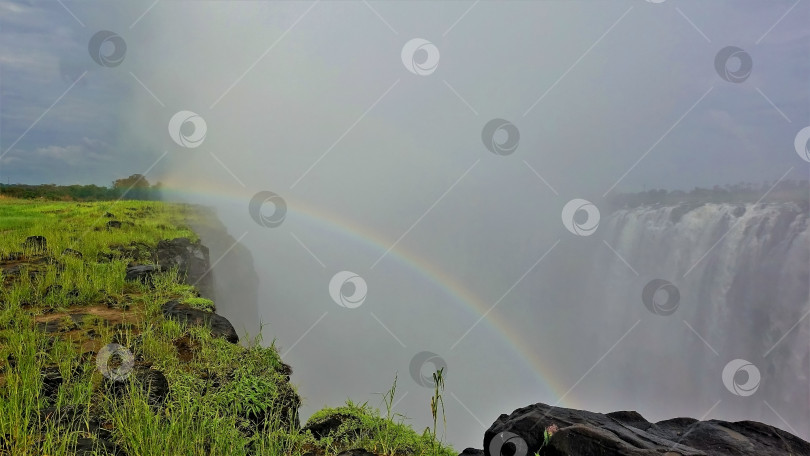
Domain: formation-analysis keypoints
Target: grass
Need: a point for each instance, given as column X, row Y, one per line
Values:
column 223, row 399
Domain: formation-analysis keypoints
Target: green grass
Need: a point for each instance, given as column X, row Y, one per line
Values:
column 224, row 399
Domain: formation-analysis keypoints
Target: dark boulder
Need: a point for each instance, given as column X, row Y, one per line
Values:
column 36, row 242
column 582, row 433
column 471, row 452
column 336, row 425
column 142, row 273
column 191, row 260
column 113, row 224
column 219, row 325
column 152, row 383
column 51, row 381
column 282, row 412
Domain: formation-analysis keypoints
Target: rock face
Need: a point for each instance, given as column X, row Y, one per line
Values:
column 191, row 260
column 234, row 278
column 220, row 326
column 583, row 433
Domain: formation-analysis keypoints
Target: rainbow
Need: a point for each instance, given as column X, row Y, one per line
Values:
column 440, row 279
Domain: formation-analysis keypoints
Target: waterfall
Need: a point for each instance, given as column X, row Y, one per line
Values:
column 742, row 272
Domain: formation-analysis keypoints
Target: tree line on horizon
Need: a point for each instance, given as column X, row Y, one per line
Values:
column 782, row 191
column 134, row 187
column 137, row 187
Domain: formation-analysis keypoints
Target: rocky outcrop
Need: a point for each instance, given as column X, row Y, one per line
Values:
column 583, row 433
column 191, row 260
column 219, row 325
column 234, row 279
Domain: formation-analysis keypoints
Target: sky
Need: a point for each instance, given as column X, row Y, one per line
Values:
column 394, row 156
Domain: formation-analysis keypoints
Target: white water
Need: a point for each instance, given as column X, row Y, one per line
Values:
column 743, row 283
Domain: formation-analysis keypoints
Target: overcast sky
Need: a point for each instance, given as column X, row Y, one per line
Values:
column 362, row 130
column 610, row 82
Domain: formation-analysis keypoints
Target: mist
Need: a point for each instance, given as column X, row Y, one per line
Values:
column 386, row 164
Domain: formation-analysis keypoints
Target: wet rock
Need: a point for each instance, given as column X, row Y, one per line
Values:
column 191, row 260
column 471, row 452
column 334, row 424
column 219, row 325
column 583, row 433
column 142, row 273
column 51, row 381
